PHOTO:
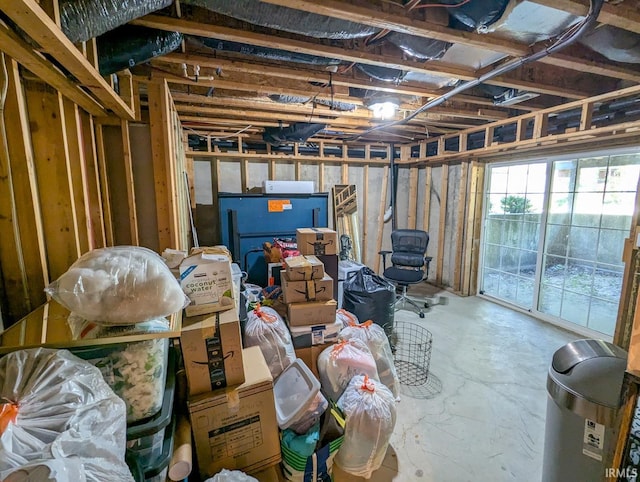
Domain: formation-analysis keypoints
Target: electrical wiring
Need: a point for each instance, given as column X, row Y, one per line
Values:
column 235, row 134
column 561, row 41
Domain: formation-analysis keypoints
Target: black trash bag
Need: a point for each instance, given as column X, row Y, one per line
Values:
column 370, row 297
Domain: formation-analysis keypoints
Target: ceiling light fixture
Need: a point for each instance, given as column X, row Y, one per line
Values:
column 383, row 107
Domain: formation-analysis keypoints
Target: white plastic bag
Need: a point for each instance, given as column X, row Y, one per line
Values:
column 231, row 476
column 370, row 411
column 266, row 328
column 339, row 363
column 376, row 340
column 57, row 407
column 121, row 285
column 346, row 317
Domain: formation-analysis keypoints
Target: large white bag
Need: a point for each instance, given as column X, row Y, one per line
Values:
column 56, row 412
column 370, row 411
column 266, row 328
column 121, row 285
column 376, row 340
column 339, row 363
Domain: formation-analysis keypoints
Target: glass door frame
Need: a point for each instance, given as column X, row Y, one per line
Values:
column 549, row 160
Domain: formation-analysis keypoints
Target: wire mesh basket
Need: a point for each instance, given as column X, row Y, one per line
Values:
column 411, row 345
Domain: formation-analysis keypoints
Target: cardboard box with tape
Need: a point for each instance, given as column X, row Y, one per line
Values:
column 310, row 356
column 236, row 429
column 212, row 351
column 317, row 241
column 304, row 268
column 312, row 313
column 311, row 290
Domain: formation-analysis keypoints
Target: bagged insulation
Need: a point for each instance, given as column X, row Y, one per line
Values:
column 59, row 420
column 231, row 476
column 346, row 317
column 339, row 363
column 121, row 285
column 84, row 19
column 370, row 411
column 376, row 340
column 266, row 328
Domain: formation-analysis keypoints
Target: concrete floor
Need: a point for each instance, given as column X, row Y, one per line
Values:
column 487, row 423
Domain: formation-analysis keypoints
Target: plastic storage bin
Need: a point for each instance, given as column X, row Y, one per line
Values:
column 146, row 438
column 307, row 336
column 236, row 276
column 136, row 372
column 155, row 470
column 294, row 390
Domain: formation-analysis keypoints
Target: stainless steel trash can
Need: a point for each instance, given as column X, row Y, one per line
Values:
column 584, row 384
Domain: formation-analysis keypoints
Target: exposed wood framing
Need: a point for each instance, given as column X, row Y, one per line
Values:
column 272, row 169
column 28, row 15
column 104, row 186
column 129, row 183
column 413, row 198
column 321, row 177
column 477, row 228
column 345, row 171
column 444, row 188
column 365, row 213
column 426, row 214
column 624, row 420
column 298, row 170
column 460, row 227
column 469, row 220
column 383, row 201
column 244, row 175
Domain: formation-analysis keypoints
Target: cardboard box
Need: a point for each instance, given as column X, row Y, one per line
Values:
column 317, row 241
column 303, row 268
column 212, row 351
column 236, row 429
column 330, row 262
column 206, row 279
column 310, row 356
column 312, row 290
column 312, row 313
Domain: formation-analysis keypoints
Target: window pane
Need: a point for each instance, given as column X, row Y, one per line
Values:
column 493, row 231
column 575, row 308
column 608, row 282
column 583, row 243
column 602, row 316
column 530, row 236
column 537, row 178
column 550, row 300
column 498, row 180
column 592, row 174
column 528, row 263
column 554, row 271
column 490, row 282
column 507, row 289
column 587, row 209
column 492, row 256
column 560, row 206
column 556, row 240
column 535, row 203
column 610, row 246
column 509, row 259
column 564, row 176
column 524, row 295
column 495, row 205
column 517, row 181
column 579, row 277
column 512, row 226
column 623, row 173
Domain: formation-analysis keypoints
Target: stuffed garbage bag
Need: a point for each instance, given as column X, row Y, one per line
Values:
column 57, row 415
column 370, row 297
column 345, row 318
column 376, row 340
column 370, row 410
column 339, row 363
column 266, row 328
column 120, row 285
column 231, row 476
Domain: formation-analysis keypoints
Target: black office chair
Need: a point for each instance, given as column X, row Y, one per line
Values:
column 409, row 263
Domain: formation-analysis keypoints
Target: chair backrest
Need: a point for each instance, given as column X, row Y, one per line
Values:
column 409, row 247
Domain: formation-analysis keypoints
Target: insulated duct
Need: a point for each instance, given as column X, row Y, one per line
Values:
column 265, row 53
column 289, row 99
column 287, row 19
column 128, row 46
column 384, row 74
column 298, row 132
column 614, row 43
column 419, row 47
column 82, row 20
column 477, row 15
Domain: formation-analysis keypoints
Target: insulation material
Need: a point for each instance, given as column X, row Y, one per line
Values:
column 336, row 104
column 287, row 19
column 469, row 56
column 297, row 132
column 289, row 99
column 451, row 226
column 614, row 43
column 266, row 53
column 82, row 20
column 384, row 74
column 529, row 22
column 128, row 46
column 419, row 47
column 229, row 180
column 402, row 199
column 477, row 15
column 432, row 80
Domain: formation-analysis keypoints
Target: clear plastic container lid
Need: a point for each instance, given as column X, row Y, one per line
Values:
column 294, row 390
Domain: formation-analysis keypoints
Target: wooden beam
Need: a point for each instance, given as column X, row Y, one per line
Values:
column 244, row 175
column 413, row 198
column 626, row 17
column 426, row 214
column 28, row 15
column 365, row 210
column 129, row 183
column 17, row 48
column 477, row 229
column 104, row 186
column 444, row 187
column 586, row 116
column 460, row 227
column 321, row 177
column 383, row 201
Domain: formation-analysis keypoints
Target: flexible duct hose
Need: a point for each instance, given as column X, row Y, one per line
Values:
column 563, row 40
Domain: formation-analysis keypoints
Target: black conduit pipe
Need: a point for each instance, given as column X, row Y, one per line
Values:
column 565, row 39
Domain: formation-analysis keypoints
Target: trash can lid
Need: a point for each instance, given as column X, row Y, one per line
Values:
column 589, row 370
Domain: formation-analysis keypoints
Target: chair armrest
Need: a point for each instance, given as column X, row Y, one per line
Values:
column 384, row 258
column 384, row 253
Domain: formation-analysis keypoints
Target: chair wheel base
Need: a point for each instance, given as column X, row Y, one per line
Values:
column 426, row 305
column 421, row 314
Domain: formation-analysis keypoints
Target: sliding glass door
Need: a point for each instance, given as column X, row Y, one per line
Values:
column 554, row 233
